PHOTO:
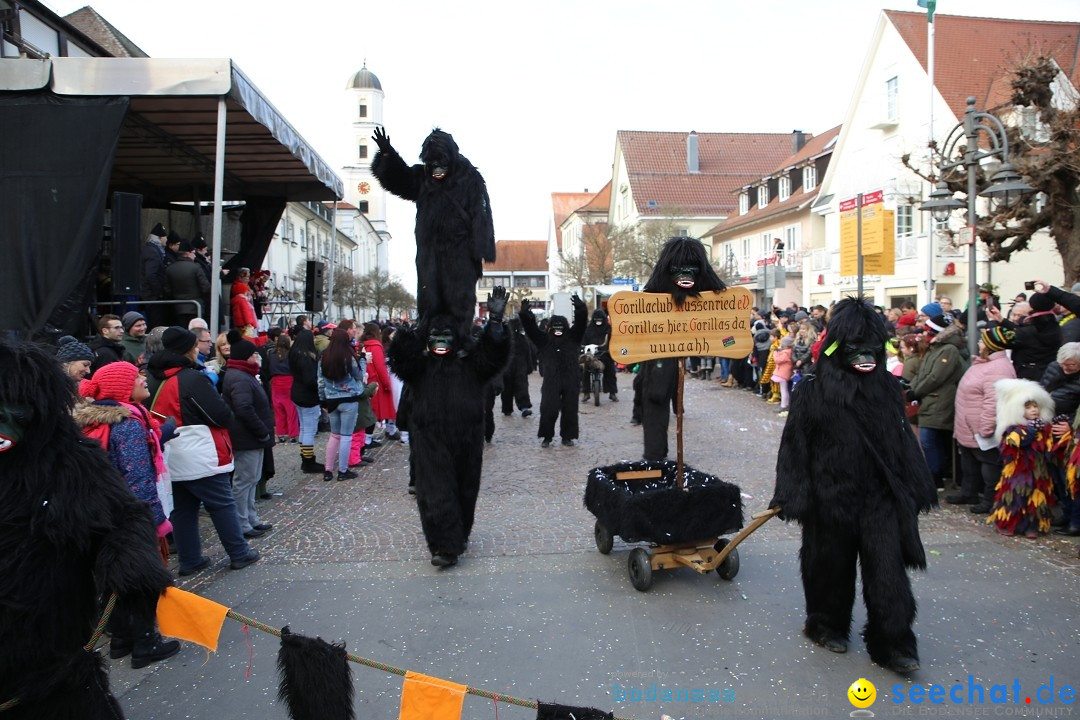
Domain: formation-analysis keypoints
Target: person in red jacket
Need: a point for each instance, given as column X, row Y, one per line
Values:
column 383, row 400
column 243, row 311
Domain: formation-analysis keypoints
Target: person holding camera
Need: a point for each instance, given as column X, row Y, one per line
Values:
column 1038, row 335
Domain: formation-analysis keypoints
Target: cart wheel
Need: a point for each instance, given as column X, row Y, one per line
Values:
column 603, row 538
column 730, row 567
column 596, row 391
column 640, row 566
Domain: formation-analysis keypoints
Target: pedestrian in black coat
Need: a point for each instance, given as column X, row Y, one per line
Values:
column 185, row 280
column 558, row 350
column 515, row 379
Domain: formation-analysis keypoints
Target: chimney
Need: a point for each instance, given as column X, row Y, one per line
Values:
column 798, row 139
column 692, row 153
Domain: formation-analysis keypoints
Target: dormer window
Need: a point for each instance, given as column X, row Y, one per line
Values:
column 762, row 196
column 744, row 202
column 785, row 188
column 809, row 178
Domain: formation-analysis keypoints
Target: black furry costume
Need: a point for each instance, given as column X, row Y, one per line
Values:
column 599, row 333
column 515, row 379
column 454, row 231
column 446, row 424
column 850, row 471
column 559, row 367
column 70, row 531
column 682, row 270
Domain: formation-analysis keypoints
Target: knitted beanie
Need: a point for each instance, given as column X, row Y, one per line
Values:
column 938, row 323
column 241, row 350
column 130, row 318
column 1040, row 302
column 997, row 338
column 114, row 381
column 70, row 349
column 178, row 340
column 931, row 309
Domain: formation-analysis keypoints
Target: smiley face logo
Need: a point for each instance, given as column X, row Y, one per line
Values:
column 862, row 693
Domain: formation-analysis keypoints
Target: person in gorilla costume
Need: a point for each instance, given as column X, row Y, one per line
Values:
column 850, row 471
column 558, row 350
column 446, row 420
column 599, row 333
column 682, row 270
column 70, row 529
column 515, row 380
column 454, row 230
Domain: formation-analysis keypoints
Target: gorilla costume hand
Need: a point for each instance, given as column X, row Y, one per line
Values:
column 525, row 305
column 496, row 302
column 382, row 140
column 577, row 302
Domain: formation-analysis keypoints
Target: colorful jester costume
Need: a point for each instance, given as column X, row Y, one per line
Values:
column 1025, row 492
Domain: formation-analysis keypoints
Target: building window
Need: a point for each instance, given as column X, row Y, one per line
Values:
column 791, row 242
column 362, row 206
column 744, row 203
column 892, row 99
column 785, row 188
column 363, row 110
column 905, row 220
column 762, row 196
column 766, row 245
column 746, row 247
column 303, row 240
column 363, row 151
column 809, row 178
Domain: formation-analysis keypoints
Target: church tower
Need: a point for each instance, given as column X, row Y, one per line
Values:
column 362, row 190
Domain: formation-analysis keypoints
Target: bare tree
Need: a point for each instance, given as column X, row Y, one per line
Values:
column 635, row 249
column 594, row 263
column 1044, row 144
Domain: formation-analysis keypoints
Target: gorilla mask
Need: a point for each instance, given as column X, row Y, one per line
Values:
column 855, row 337
column 13, row 419
column 682, row 270
column 558, row 326
column 440, row 341
column 599, row 317
column 438, row 153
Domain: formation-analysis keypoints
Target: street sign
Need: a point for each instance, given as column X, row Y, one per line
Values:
column 622, row 281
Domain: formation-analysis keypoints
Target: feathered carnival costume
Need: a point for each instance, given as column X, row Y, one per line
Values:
column 850, row 471
column 1025, row 492
column 70, row 528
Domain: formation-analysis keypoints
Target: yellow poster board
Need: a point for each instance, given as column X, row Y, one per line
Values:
column 878, row 242
column 646, row 326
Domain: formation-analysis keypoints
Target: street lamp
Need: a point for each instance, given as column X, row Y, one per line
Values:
column 1006, row 187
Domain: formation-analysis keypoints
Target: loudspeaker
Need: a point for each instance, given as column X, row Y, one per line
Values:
column 126, row 254
column 313, row 287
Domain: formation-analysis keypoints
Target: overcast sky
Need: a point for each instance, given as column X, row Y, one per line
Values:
column 535, row 92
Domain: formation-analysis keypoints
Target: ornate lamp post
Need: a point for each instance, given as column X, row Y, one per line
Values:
column 1006, row 186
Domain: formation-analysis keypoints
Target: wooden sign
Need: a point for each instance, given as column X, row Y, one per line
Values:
column 646, row 326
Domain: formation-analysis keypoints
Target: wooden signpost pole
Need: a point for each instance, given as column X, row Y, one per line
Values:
column 678, row 423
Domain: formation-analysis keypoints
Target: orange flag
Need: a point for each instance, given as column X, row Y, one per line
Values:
column 429, row 698
column 188, row 616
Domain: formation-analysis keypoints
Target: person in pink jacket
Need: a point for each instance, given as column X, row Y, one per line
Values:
column 782, row 372
column 975, row 418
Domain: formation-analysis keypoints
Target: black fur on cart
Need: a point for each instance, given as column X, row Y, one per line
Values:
column 656, row 510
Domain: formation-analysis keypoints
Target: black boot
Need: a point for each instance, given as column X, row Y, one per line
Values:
column 119, row 647
column 151, row 647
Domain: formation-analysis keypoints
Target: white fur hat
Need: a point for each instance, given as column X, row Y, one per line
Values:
column 1012, row 395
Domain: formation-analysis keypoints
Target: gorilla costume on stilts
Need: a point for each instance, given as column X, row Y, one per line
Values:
column 558, row 350
column 850, row 471
column 70, row 530
column 682, row 271
column 454, row 230
column 446, row 420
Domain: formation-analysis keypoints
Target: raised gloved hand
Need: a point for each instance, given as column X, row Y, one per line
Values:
column 382, row 140
column 525, row 305
column 577, row 302
column 496, row 302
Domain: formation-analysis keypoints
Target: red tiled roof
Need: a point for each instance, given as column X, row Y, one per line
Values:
column 519, row 255
column 814, row 146
column 656, row 165
column 600, row 201
column 104, row 33
column 564, row 204
column 975, row 56
column 756, row 214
